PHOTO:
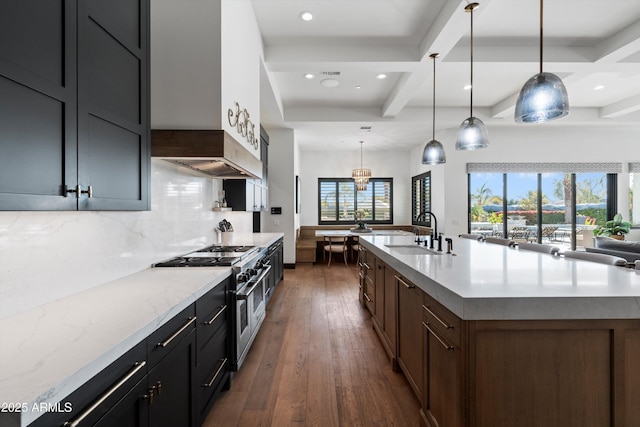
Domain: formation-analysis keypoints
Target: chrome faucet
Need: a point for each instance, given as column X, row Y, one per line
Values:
column 434, row 234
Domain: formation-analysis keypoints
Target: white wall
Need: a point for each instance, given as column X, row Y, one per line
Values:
column 49, row 255
column 282, row 174
column 383, row 164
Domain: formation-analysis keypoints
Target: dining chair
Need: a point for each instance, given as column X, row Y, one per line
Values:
column 335, row 244
column 594, row 257
column 355, row 246
column 537, row 247
column 471, row 236
column 500, row 241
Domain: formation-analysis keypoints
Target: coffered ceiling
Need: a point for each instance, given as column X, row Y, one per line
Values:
column 593, row 45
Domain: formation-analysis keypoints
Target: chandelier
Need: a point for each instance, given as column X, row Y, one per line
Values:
column 361, row 176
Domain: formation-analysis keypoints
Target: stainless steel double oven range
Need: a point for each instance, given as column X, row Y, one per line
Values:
column 250, row 268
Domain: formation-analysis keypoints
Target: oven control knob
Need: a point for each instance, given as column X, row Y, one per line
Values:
column 251, row 271
column 242, row 277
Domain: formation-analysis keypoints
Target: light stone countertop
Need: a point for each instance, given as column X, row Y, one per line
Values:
column 485, row 281
column 48, row 352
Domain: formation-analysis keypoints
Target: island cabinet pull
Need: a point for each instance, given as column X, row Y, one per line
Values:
column 442, row 341
column 224, row 307
column 176, row 333
column 435, row 316
column 210, row 383
column 408, row 285
column 367, row 297
column 366, row 266
column 136, row 367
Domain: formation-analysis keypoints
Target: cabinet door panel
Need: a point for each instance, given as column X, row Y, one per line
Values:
column 112, row 164
column 113, row 107
column 410, row 335
column 26, row 144
column 443, row 393
column 125, row 16
column 113, row 76
column 174, row 405
column 32, row 37
column 131, row 411
column 37, row 105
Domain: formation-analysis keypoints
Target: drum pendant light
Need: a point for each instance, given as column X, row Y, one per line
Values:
column 543, row 97
column 361, row 176
column 472, row 133
column 433, row 153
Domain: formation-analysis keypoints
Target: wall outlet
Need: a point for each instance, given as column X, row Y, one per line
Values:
column 455, row 221
column 276, row 222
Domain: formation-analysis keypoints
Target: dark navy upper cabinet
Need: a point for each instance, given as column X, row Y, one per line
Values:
column 74, row 105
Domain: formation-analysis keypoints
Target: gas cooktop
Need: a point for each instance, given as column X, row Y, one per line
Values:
column 187, row 261
column 211, row 256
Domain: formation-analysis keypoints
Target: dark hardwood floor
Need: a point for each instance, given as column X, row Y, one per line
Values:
column 316, row 361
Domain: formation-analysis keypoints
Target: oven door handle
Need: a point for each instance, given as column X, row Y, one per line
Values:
column 256, row 282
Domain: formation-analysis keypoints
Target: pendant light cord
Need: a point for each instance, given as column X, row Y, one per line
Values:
column 541, row 1
column 433, row 133
column 471, row 89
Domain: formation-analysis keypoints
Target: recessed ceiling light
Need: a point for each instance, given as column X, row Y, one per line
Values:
column 467, row 87
column 306, row 16
column 599, row 87
column 329, row 82
column 358, row 87
column 381, row 76
column 309, row 76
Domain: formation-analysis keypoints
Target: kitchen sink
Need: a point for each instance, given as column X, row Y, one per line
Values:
column 413, row 250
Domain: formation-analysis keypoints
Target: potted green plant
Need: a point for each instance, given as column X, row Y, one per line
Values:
column 615, row 228
column 359, row 216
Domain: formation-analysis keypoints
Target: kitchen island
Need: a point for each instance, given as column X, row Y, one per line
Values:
column 491, row 336
column 51, row 351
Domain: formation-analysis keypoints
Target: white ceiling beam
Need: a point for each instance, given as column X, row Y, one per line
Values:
column 621, row 108
column 442, row 36
column 615, row 48
column 620, row 45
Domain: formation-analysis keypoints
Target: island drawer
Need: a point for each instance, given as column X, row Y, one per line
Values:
column 167, row 336
column 441, row 322
column 213, row 312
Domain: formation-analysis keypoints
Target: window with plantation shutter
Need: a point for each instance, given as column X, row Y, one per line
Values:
column 338, row 200
column 421, row 198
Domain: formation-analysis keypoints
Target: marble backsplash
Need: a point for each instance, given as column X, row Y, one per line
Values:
column 49, row 255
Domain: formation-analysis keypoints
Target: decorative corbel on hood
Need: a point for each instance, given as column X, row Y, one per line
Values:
column 213, row 152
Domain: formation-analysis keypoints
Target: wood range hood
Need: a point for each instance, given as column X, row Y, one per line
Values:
column 213, row 152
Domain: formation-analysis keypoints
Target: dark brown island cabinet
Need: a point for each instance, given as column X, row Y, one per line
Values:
column 493, row 373
column 74, row 105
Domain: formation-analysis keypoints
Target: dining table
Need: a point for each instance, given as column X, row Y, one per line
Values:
column 352, row 233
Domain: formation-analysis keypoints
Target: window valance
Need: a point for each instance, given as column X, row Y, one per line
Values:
column 604, row 167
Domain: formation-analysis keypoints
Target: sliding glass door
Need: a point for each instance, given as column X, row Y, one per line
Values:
column 560, row 208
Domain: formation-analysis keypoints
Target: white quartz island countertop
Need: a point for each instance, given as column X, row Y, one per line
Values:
column 48, row 352
column 484, row 281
